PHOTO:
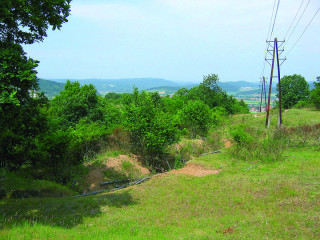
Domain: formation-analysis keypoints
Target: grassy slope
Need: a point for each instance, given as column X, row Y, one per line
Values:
column 278, row 200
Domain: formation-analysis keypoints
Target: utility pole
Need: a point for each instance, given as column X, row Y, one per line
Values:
column 263, row 92
column 275, row 54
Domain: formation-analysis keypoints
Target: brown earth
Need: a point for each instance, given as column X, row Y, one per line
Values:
column 227, row 143
column 195, row 170
column 96, row 175
column 116, row 164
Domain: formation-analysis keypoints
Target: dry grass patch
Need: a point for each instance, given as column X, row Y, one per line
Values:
column 195, row 170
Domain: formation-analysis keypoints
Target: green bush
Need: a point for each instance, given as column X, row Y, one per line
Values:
column 261, row 147
column 151, row 130
column 196, row 117
column 302, row 104
column 240, row 136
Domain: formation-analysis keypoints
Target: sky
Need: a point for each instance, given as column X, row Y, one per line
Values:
column 178, row 40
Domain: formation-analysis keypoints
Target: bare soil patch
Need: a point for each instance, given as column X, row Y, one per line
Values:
column 116, row 164
column 94, row 178
column 97, row 176
column 227, row 143
column 195, row 170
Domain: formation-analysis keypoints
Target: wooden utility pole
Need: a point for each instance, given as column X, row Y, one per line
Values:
column 263, row 92
column 275, row 54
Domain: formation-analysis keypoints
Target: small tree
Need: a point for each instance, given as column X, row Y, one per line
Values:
column 196, row 116
column 151, row 130
column 75, row 103
column 294, row 88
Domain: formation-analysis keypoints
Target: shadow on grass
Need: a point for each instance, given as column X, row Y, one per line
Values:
column 59, row 212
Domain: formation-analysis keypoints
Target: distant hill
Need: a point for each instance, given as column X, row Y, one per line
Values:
column 124, row 85
column 238, row 86
column 50, row 88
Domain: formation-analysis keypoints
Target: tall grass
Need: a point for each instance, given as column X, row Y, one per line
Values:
column 252, row 144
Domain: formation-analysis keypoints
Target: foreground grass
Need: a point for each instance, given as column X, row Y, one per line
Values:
column 278, row 200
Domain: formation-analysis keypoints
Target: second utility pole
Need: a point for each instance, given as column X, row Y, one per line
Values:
column 275, row 53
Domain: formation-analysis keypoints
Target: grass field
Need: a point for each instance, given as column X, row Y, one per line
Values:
column 246, row 200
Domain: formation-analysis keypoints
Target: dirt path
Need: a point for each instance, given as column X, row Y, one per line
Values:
column 195, row 170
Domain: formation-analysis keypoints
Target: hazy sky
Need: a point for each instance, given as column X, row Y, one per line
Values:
column 179, row 40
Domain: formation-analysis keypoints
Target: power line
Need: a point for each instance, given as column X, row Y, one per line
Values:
column 265, row 50
column 275, row 18
column 304, row 31
column 294, row 19
column 298, row 21
column 274, row 4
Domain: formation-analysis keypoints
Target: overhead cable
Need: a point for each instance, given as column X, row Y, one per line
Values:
column 303, row 31
column 275, row 18
column 297, row 22
column 294, row 19
column 265, row 50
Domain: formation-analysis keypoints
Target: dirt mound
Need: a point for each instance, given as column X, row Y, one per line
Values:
column 195, row 170
column 117, row 168
column 94, row 178
column 117, row 162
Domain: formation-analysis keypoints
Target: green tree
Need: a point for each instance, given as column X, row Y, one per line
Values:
column 211, row 94
column 17, row 75
column 151, row 130
column 315, row 93
column 21, row 120
column 294, row 88
column 26, row 21
column 196, row 116
column 75, row 103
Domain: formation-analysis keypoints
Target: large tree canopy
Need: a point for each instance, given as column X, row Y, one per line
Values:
column 21, row 120
column 26, row 21
column 294, row 88
column 315, row 93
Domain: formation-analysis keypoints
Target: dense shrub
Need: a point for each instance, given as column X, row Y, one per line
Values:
column 196, row 117
column 151, row 130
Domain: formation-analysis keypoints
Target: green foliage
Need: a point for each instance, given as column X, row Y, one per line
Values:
column 196, row 116
column 151, row 130
column 21, row 118
column 218, row 114
column 20, row 127
column 88, row 138
column 75, row 103
column 54, row 147
column 112, row 115
column 240, row 136
column 262, row 148
column 50, row 88
column 294, row 88
column 301, row 104
column 24, row 21
column 315, row 94
column 17, row 74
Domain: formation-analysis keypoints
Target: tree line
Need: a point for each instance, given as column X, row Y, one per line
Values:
column 295, row 92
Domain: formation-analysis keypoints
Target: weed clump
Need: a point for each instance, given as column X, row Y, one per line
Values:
column 253, row 144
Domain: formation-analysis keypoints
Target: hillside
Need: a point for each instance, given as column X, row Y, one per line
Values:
column 233, row 199
column 50, row 88
column 152, row 84
column 123, row 85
